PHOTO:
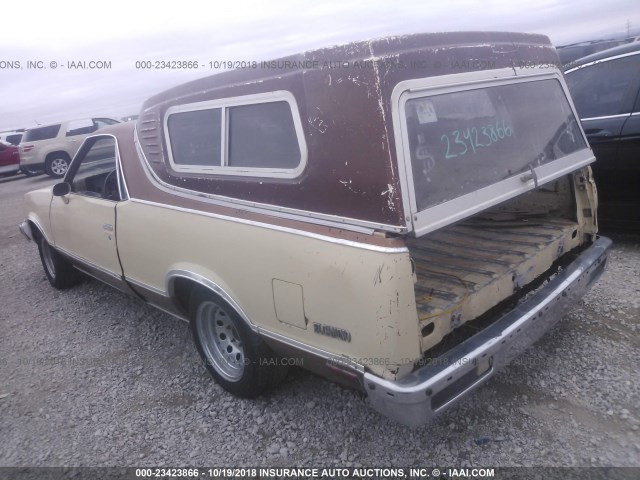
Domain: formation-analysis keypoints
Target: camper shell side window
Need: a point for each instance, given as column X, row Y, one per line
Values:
column 255, row 135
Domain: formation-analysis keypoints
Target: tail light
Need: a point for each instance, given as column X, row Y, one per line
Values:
column 26, row 148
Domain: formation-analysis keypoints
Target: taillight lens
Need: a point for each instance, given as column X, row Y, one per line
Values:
column 26, row 148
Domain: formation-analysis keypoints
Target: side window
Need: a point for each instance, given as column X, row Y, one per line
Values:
column 96, row 173
column 196, row 137
column 42, row 133
column 14, row 139
column 263, row 138
column 605, row 88
column 80, row 127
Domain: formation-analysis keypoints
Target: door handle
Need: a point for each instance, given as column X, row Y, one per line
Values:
column 598, row 133
column 108, row 227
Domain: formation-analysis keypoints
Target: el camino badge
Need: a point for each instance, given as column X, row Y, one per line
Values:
column 333, row 332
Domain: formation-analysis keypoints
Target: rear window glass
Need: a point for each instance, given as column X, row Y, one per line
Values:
column 41, row 133
column 463, row 141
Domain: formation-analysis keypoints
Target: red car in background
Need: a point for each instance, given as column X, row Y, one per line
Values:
column 9, row 159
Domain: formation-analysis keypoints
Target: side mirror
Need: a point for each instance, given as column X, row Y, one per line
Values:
column 61, row 189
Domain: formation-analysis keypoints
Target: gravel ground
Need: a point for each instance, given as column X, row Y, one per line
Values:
column 90, row 377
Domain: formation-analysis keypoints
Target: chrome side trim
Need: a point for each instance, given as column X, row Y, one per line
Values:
column 205, row 282
column 429, row 390
column 628, row 54
column 89, row 264
column 337, row 359
column 293, row 231
column 140, row 284
column 174, row 315
column 607, row 117
column 351, row 224
column 330, row 357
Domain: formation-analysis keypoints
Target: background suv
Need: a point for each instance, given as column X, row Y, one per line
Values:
column 50, row 148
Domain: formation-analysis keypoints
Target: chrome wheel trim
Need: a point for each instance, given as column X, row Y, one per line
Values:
column 47, row 256
column 59, row 166
column 220, row 341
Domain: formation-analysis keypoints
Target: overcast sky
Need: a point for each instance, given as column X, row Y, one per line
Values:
column 125, row 32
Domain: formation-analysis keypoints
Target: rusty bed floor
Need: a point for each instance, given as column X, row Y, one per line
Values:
column 453, row 264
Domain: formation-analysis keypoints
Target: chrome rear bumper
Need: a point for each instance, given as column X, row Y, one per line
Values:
column 418, row 397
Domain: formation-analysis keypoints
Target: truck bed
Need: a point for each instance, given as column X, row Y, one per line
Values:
column 463, row 270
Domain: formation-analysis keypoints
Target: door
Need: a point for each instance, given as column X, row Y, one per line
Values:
column 604, row 93
column 9, row 158
column 606, row 97
column 83, row 222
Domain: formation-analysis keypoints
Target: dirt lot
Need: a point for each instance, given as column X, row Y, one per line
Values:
column 90, row 377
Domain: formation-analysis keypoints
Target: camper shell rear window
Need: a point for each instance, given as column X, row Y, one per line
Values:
column 467, row 145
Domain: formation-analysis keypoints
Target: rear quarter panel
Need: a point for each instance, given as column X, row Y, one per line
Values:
column 367, row 292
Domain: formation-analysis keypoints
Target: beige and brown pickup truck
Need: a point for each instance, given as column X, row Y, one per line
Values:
column 402, row 215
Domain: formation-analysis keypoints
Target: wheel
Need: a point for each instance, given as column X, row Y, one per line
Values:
column 235, row 356
column 57, row 165
column 59, row 271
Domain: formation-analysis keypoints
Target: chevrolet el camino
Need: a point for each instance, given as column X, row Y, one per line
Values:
column 405, row 215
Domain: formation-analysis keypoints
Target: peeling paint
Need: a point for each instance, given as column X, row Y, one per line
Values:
column 378, row 89
column 356, row 80
column 389, row 191
column 318, row 124
column 347, row 184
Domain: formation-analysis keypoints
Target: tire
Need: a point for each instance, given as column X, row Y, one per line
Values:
column 58, row 270
column 28, row 173
column 238, row 359
column 57, row 165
